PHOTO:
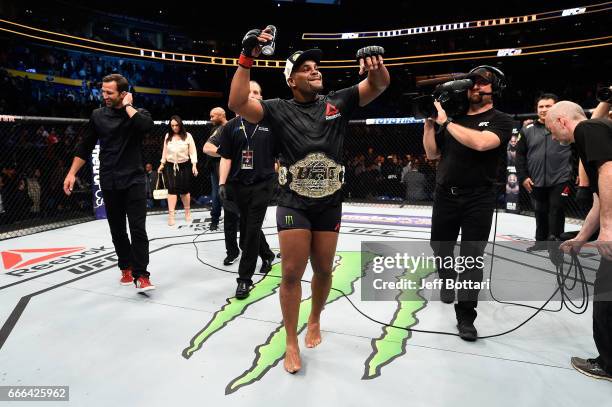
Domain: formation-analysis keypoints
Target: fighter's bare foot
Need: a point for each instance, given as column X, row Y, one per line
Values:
column 313, row 334
column 293, row 363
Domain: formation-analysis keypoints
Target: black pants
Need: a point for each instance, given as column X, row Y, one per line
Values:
column 130, row 203
column 602, row 314
column 472, row 212
column 252, row 200
column 548, row 204
column 230, row 229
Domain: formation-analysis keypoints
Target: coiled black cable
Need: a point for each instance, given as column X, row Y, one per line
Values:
column 561, row 276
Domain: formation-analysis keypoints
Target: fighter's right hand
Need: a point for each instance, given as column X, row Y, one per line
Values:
column 528, row 184
column 222, row 192
column 253, row 40
column 69, row 183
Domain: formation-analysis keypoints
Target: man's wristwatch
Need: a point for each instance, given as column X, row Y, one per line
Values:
column 446, row 123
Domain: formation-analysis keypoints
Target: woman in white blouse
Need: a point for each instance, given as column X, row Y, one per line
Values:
column 179, row 160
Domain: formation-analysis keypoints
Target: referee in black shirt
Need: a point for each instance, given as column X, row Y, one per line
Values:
column 469, row 148
column 120, row 128
column 246, row 176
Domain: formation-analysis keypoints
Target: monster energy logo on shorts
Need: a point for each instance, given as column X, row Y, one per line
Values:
column 348, row 268
column 289, row 220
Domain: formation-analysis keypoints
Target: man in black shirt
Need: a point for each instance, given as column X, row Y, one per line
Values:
column 230, row 218
column 218, row 119
column 469, row 148
column 543, row 169
column 593, row 138
column 120, row 128
column 309, row 130
column 246, row 175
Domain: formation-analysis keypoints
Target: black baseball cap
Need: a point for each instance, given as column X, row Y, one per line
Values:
column 298, row 57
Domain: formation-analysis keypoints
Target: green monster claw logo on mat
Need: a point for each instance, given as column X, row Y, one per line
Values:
column 347, row 270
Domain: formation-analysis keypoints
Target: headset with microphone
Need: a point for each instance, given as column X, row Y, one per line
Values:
column 495, row 76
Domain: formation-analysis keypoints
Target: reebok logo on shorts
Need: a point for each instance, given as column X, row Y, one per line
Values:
column 331, row 112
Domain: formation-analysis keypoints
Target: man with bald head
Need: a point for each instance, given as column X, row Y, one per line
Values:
column 218, row 119
column 593, row 138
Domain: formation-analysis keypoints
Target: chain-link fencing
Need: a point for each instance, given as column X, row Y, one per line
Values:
column 384, row 161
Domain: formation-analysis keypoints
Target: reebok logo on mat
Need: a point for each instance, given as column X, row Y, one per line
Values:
column 19, row 258
column 331, row 112
column 75, row 260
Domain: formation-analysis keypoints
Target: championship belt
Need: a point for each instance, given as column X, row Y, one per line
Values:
column 314, row 176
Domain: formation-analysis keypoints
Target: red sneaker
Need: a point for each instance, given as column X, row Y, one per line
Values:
column 126, row 277
column 143, row 284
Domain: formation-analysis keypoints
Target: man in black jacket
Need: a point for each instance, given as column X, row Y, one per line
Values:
column 543, row 169
column 120, row 128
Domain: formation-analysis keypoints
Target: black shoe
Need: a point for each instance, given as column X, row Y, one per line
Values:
column 538, row 246
column 591, row 368
column 214, row 226
column 266, row 265
column 447, row 295
column 467, row 331
column 242, row 291
column 278, row 255
column 230, row 259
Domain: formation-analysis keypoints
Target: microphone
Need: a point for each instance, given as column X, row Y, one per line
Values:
column 268, row 48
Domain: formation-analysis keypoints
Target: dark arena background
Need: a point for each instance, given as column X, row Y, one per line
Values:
column 70, row 335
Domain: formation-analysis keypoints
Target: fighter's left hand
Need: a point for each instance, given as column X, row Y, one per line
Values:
column 370, row 58
column 442, row 116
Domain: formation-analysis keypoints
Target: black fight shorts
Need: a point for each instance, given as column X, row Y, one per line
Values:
column 326, row 219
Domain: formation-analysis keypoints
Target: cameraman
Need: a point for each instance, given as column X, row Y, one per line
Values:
column 593, row 138
column 469, row 147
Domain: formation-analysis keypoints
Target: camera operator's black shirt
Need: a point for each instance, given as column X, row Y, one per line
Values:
column 234, row 140
column 461, row 166
column 120, row 145
column 301, row 129
column 594, row 144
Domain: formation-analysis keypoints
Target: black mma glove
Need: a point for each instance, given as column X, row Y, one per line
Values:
column 250, row 42
column 371, row 51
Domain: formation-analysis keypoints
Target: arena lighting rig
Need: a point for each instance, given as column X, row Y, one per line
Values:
column 171, row 56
